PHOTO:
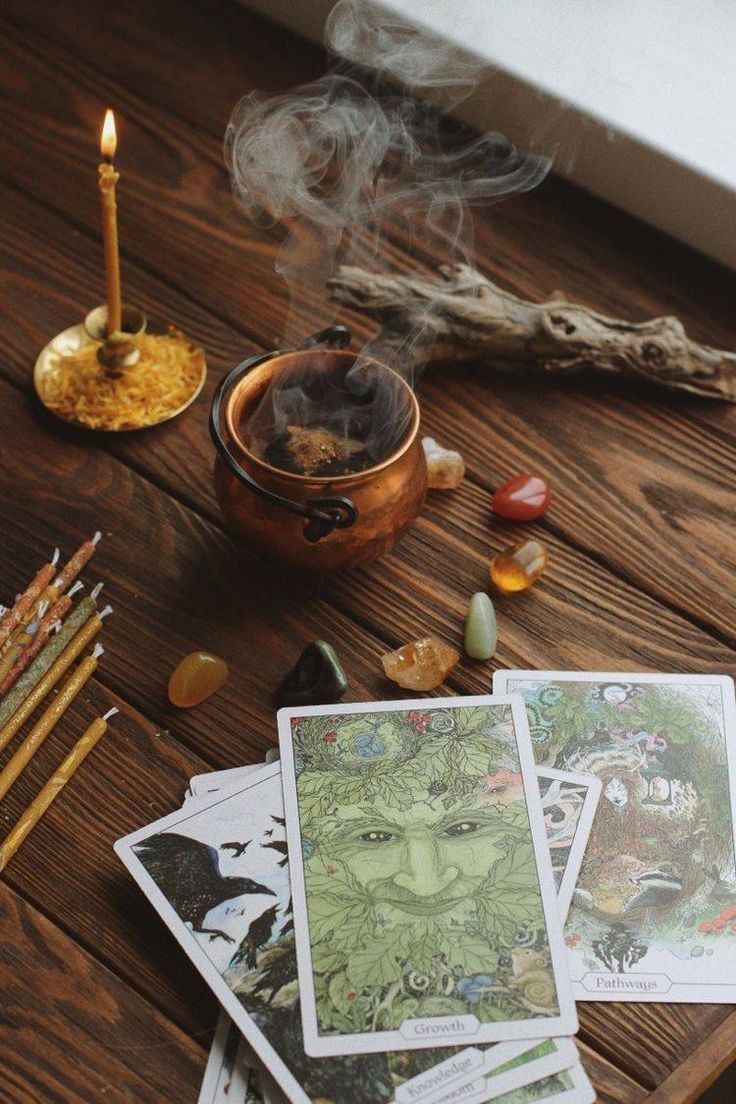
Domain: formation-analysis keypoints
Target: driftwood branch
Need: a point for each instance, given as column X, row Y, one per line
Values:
column 464, row 316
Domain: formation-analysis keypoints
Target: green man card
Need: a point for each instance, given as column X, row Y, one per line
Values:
column 423, row 893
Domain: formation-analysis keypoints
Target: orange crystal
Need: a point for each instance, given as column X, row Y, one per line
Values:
column 421, row 664
column 516, row 568
column 197, row 676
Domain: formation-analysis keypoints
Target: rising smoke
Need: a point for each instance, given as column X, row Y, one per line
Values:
column 352, row 166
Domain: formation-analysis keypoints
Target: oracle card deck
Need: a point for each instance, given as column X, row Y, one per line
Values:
column 445, row 914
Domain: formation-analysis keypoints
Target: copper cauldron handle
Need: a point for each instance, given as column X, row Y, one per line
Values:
column 322, row 514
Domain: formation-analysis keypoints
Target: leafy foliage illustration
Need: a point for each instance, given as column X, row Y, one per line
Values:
column 423, row 894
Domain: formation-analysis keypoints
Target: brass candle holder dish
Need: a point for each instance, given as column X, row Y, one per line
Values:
column 126, row 380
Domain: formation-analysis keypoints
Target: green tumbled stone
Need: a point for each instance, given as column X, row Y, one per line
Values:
column 316, row 679
column 481, row 632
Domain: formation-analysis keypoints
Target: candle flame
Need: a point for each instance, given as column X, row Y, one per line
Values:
column 109, row 141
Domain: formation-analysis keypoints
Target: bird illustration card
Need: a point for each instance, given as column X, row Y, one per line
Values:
column 217, row 874
column 654, row 913
column 424, row 900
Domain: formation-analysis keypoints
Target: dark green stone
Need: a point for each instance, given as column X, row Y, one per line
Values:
column 317, row 678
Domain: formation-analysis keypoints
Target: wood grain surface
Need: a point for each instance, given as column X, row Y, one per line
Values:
column 641, row 529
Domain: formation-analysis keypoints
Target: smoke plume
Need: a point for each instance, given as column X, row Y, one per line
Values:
column 358, row 171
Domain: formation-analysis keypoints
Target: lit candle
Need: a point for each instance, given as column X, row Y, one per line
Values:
column 108, row 180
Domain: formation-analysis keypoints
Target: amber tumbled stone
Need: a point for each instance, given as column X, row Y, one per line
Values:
column 518, row 567
column 197, row 676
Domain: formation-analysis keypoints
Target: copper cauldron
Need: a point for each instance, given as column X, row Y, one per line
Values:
column 309, row 522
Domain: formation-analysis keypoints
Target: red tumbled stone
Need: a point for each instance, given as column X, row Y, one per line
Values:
column 523, row 498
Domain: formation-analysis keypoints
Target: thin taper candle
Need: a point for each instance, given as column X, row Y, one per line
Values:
column 48, row 655
column 30, row 818
column 13, row 617
column 108, row 180
column 48, row 719
column 76, row 645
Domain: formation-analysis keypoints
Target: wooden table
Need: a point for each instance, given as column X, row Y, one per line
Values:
column 98, row 1004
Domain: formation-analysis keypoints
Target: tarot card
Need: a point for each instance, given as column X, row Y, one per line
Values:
column 656, row 895
column 569, row 801
column 423, row 895
column 570, row 1086
column 217, row 875
column 569, row 805
column 227, row 1076
column 494, row 1077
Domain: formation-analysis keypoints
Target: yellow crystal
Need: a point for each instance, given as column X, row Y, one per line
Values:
column 421, row 664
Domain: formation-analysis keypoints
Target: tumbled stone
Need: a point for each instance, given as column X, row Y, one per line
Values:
column 197, row 676
column 481, row 632
column 522, row 498
column 445, row 468
column 516, row 568
column 316, row 679
column 421, row 664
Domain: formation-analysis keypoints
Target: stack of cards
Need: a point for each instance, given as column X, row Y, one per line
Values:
column 381, row 914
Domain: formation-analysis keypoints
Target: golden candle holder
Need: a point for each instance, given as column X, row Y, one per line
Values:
column 125, row 380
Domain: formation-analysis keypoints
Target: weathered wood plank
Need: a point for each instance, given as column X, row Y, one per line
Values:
column 72, row 1032
column 701, row 1068
column 612, row 1085
column 658, row 519
column 177, row 582
column 456, row 527
column 67, row 869
column 558, row 617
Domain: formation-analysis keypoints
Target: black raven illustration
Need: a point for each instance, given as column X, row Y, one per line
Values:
column 188, row 874
column 237, row 848
column 279, row 820
column 268, row 834
column 257, row 936
column 280, row 846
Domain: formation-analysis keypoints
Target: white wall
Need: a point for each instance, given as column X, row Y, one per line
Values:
column 639, row 96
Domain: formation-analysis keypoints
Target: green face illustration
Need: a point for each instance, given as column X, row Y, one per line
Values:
column 419, row 866
column 418, row 862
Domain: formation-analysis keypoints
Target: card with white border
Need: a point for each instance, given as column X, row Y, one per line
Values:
column 570, row 1086
column 424, row 901
column 227, row 1075
column 656, row 896
column 216, row 873
column 568, row 799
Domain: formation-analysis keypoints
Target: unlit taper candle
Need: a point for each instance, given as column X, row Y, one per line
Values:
column 48, row 719
column 55, row 613
column 78, row 643
column 25, row 601
column 48, row 655
column 68, row 574
column 30, row 818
